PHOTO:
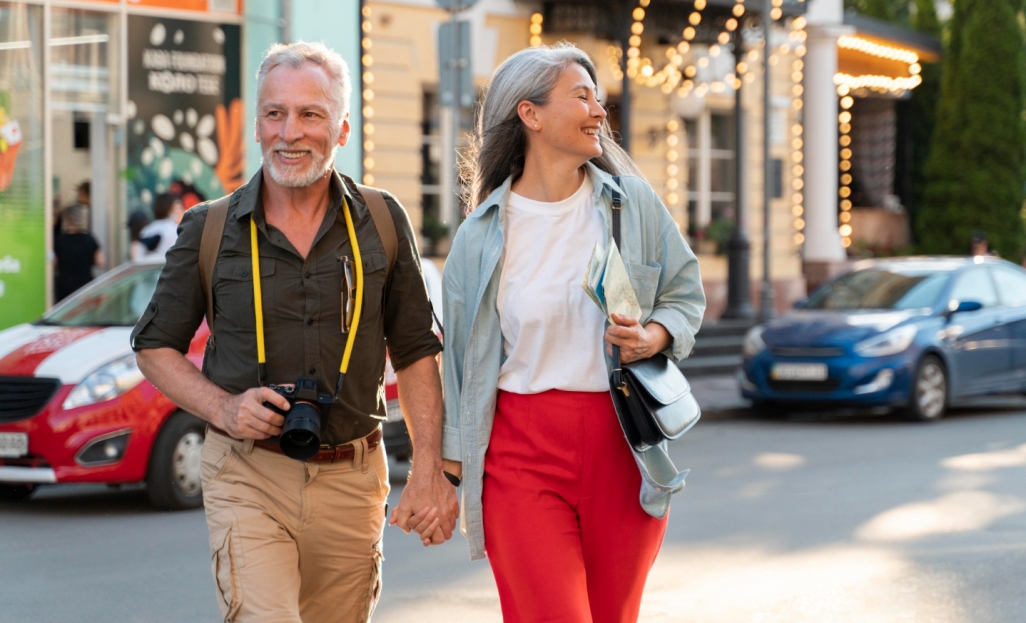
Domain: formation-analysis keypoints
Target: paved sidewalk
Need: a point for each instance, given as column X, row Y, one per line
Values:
column 719, row 396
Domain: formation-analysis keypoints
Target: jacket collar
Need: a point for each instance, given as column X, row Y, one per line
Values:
column 602, row 182
column 250, row 200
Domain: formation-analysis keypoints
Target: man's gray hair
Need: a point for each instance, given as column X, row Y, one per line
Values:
column 295, row 54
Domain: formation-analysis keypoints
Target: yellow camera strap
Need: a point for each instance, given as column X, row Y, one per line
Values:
column 258, row 301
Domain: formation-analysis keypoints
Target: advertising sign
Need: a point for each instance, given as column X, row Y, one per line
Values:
column 185, row 112
column 22, row 199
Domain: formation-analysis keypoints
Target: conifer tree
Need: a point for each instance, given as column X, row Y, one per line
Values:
column 975, row 172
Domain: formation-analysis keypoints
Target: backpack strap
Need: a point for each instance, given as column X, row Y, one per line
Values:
column 210, row 245
column 382, row 219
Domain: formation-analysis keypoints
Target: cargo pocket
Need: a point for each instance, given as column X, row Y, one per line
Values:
column 215, row 459
column 224, row 564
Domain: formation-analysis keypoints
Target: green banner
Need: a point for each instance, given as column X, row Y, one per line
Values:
column 22, row 216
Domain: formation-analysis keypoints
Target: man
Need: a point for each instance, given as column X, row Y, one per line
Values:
column 301, row 540
column 160, row 235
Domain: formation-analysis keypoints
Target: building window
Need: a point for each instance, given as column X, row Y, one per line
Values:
column 711, row 171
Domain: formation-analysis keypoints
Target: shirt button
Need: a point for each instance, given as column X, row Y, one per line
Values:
column 313, row 370
column 307, row 275
column 309, row 321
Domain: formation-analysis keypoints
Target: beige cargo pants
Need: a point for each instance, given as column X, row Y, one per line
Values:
column 294, row 542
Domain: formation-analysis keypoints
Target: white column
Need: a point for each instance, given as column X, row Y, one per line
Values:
column 822, row 242
column 704, row 168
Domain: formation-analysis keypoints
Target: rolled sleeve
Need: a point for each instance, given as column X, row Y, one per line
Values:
column 176, row 310
column 408, row 320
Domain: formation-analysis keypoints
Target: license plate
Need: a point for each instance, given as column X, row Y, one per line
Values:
column 799, row 372
column 13, row 445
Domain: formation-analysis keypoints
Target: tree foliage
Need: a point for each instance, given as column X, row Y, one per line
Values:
column 975, row 171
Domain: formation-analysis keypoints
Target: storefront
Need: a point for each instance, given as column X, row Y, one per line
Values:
column 126, row 98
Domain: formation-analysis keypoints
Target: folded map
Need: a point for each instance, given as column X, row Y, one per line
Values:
column 607, row 283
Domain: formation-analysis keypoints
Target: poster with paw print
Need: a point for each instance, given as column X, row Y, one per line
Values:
column 184, row 111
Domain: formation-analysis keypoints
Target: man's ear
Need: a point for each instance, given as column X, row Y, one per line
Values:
column 528, row 113
column 343, row 136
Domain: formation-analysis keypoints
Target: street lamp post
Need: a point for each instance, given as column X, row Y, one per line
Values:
column 739, row 248
column 767, row 300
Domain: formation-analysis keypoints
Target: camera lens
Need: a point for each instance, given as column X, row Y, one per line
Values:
column 301, row 435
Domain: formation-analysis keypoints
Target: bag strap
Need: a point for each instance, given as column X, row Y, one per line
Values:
column 382, row 218
column 210, row 244
column 618, row 380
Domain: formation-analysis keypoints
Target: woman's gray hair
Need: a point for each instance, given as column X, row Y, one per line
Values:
column 499, row 146
column 295, row 54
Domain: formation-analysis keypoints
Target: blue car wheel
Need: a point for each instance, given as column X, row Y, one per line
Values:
column 929, row 398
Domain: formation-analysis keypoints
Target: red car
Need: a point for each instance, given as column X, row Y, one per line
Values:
column 74, row 406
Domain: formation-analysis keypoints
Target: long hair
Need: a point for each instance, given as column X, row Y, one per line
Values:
column 499, row 146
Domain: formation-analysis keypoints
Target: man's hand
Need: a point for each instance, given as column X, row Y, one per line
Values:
column 428, row 506
column 636, row 342
column 244, row 416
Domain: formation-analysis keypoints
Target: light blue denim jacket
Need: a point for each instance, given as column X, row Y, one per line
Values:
column 664, row 273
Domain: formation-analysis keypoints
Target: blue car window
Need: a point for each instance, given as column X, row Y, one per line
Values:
column 1011, row 285
column 975, row 285
column 881, row 289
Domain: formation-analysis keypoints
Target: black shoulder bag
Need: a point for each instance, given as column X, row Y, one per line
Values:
column 652, row 398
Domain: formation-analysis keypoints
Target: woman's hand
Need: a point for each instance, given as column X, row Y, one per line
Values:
column 636, row 341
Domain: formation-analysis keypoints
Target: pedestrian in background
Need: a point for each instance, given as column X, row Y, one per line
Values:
column 551, row 487
column 296, row 540
column 136, row 247
column 76, row 252
column 161, row 234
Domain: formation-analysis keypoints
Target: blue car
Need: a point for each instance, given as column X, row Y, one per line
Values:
column 917, row 334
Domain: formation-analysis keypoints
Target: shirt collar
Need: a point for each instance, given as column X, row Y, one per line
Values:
column 250, row 200
column 602, row 182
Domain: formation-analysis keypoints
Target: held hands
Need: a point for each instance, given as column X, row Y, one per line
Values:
column 244, row 416
column 435, row 498
column 635, row 341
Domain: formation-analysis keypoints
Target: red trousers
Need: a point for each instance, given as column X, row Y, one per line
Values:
column 566, row 536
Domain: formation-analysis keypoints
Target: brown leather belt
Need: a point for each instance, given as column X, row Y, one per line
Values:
column 328, row 454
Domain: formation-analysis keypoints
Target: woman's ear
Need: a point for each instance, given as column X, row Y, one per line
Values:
column 528, row 113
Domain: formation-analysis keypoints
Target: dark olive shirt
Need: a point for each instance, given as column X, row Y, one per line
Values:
column 302, row 306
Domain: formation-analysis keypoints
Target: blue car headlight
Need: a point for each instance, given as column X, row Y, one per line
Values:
column 105, row 383
column 753, row 344
column 890, row 343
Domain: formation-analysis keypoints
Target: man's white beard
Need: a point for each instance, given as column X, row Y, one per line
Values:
column 299, row 178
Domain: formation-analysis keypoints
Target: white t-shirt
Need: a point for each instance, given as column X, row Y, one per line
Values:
column 167, row 229
column 552, row 332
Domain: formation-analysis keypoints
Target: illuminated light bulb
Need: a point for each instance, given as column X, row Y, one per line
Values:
column 797, row 210
column 646, row 71
column 672, row 170
column 368, row 112
column 700, row 4
column 535, row 29
column 672, row 183
column 799, row 23
column 800, row 51
column 844, row 117
column 845, row 217
column 368, row 128
column 776, row 13
column 731, row 24
column 368, row 95
column 535, row 41
column 749, row 78
column 368, row 163
column 672, row 126
column 796, row 198
column 672, row 155
column 718, row 87
column 844, row 192
column 367, row 60
column 367, row 43
column 368, row 77
column 671, row 140
column 799, row 238
column 846, row 154
column 847, row 102
column 695, row 18
column 689, row 33
column 638, row 14
column 845, row 128
column 797, row 90
column 845, row 141
column 797, row 170
column 714, row 51
column 738, row 10
column 846, row 165
column 798, row 66
column 797, row 76
column 846, row 179
column 797, row 104
column 703, row 62
column 368, row 145
column 365, row 11
column 797, row 129
column 366, row 27
column 846, row 204
column 797, row 157
column 844, row 230
column 846, row 242
column 843, row 90
column 672, row 198
column 637, row 28
column 799, row 223
column 915, row 68
column 537, row 18
column 742, row 67
column 683, row 47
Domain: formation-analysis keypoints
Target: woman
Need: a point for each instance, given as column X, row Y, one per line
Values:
column 550, row 484
column 76, row 252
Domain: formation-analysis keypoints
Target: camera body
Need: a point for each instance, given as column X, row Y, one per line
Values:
column 301, row 433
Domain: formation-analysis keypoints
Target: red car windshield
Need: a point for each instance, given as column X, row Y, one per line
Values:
column 116, row 300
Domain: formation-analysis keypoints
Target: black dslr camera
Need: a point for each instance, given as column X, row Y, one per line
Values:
column 301, row 434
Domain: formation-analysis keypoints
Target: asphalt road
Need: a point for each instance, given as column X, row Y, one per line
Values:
column 815, row 518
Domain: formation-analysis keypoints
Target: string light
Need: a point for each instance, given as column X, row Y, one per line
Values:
column 536, row 29
column 797, row 142
column 850, row 42
column 844, row 124
column 672, row 156
column 366, row 62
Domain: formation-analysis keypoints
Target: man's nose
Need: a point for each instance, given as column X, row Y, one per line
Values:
column 292, row 129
